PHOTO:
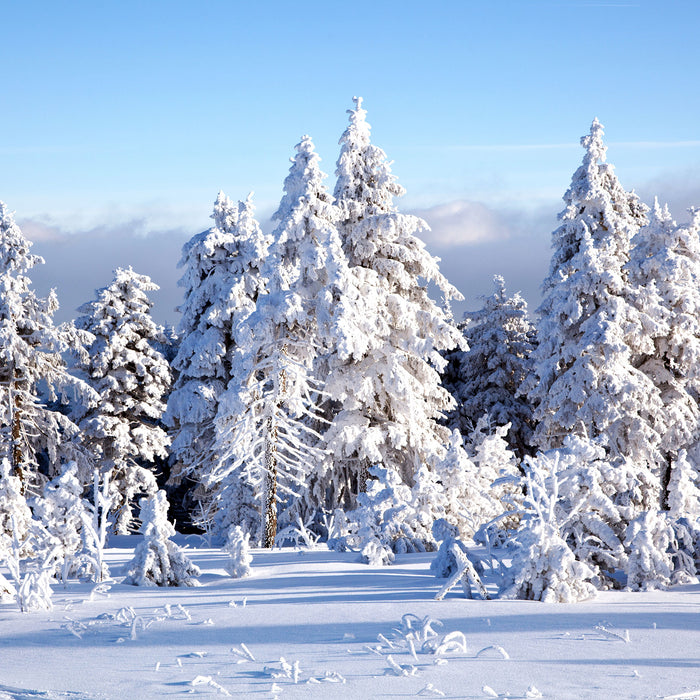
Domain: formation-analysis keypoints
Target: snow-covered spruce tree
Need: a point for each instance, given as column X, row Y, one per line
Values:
column 61, row 510
column 544, row 566
column 131, row 378
column 238, row 548
column 390, row 396
column 468, row 498
column 158, row 561
column 267, row 419
column 664, row 273
column 584, row 382
column 497, row 471
column 34, row 379
column 487, row 377
column 222, row 281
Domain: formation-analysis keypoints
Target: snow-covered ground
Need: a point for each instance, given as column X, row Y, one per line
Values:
column 317, row 624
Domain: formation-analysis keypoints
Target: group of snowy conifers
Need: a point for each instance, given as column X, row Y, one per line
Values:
column 304, row 396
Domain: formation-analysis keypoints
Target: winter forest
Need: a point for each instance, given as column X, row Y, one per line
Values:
column 319, row 390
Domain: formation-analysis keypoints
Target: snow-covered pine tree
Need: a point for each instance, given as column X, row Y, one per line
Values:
column 487, row 378
column 238, row 548
column 390, row 396
column 584, row 382
column 61, row 510
column 31, row 347
column 469, row 499
column 664, row 274
column 158, row 561
column 222, row 281
column 267, row 418
column 131, row 377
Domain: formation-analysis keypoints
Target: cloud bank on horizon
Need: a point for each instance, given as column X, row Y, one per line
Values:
column 474, row 240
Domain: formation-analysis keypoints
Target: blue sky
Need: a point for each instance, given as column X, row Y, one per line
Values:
column 121, row 121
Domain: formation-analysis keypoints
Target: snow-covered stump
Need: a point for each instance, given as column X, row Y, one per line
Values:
column 157, row 560
column 238, row 548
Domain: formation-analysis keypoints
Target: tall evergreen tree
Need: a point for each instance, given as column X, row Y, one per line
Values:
column 222, row 281
column 664, row 273
column 584, row 381
column 487, row 378
column 390, row 394
column 131, row 377
column 266, row 420
column 35, row 383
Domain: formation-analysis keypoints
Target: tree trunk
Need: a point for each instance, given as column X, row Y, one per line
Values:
column 269, row 506
column 16, row 422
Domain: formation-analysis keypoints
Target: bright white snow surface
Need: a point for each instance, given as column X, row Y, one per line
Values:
column 317, row 624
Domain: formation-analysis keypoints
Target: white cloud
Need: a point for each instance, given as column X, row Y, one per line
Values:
column 462, row 222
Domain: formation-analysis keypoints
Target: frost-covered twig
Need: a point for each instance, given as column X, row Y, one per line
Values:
column 208, row 680
column 613, row 635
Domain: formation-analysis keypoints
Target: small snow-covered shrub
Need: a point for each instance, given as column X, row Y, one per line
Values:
column 90, row 563
column 385, row 520
column 158, row 561
column 649, row 541
column 238, row 548
column 683, row 492
column 444, row 563
column 61, row 510
column 543, row 566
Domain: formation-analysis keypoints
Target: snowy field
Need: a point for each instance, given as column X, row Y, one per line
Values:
column 317, row 624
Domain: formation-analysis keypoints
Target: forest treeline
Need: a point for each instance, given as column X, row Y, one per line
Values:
column 314, row 390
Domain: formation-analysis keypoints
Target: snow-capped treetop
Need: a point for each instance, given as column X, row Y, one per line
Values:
column 225, row 213
column 598, row 206
column 365, row 185
column 664, row 271
column 218, row 263
column 306, row 270
column 124, row 367
column 14, row 247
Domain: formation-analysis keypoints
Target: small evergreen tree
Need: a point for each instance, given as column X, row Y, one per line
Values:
column 158, row 561
column 543, row 566
column 132, row 378
column 238, row 548
column 487, row 378
column 61, row 510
